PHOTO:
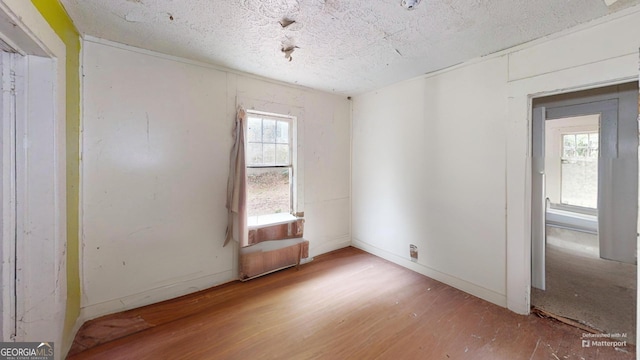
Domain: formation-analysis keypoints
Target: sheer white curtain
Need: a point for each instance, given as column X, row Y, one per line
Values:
column 237, row 185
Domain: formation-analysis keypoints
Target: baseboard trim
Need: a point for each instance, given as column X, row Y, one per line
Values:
column 328, row 246
column 463, row 285
column 163, row 293
column 155, row 295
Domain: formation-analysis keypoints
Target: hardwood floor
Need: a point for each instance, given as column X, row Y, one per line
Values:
column 344, row 305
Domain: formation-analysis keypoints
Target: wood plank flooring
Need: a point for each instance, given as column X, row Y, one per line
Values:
column 344, row 305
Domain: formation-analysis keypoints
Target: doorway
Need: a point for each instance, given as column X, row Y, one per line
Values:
column 584, row 207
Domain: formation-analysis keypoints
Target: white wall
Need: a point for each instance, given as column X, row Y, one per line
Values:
column 428, row 169
column 156, row 142
column 442, row 161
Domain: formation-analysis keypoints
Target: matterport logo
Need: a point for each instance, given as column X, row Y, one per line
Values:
column 26, row 351
column 593, row 340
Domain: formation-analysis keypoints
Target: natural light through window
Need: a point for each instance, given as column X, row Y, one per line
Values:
column 579, row 171
column 269, row 165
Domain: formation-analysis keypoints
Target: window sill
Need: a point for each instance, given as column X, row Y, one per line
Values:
column 574, row 209
column 256, row 222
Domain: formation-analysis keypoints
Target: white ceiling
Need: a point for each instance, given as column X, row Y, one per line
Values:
column 345, row 46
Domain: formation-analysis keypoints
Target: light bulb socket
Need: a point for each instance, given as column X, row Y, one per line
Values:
column 410, row 4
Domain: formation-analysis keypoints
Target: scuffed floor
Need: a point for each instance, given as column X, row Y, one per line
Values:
column 596, row 292
column 347, row 304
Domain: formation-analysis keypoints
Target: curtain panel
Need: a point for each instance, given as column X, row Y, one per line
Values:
column 237, row 185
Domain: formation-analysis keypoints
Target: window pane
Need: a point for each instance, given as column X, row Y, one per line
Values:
column 568, row 146
column 580, row 183
column 569, row 140
column 579, row 170
column 254, row 154
column 582, row 145
column 268, row 131
column 282, row 132
column 254, row 132
column 268, row 191
column 282, row 154
column 269, row 154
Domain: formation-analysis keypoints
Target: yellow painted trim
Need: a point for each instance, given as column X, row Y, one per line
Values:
column 55, row 14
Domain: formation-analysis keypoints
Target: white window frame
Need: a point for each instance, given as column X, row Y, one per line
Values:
column 272, row 219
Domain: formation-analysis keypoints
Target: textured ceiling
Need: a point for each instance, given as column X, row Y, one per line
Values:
column 346, row 46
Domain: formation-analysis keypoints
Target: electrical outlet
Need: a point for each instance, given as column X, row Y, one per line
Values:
column 413, row 252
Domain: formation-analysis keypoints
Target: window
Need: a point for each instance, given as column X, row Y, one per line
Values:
column 579, row 172
column 269, row 154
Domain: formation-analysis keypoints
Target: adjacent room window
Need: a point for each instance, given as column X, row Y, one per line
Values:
column 269, row 154
column 579, row 171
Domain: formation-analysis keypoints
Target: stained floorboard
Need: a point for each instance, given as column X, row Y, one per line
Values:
column 344, row 305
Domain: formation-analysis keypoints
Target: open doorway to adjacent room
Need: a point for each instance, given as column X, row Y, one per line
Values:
column 585, row 208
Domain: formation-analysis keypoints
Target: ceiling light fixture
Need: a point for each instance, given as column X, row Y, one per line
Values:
column 410, row 4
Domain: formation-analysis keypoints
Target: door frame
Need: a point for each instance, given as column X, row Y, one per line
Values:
column 520, row 95
column 40, row 175
column 8, row 198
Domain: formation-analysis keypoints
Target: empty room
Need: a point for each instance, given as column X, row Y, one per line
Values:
column 319, row 179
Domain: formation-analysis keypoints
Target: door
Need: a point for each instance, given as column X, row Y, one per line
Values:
column 538, row 201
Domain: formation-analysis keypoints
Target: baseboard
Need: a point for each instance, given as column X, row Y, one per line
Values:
column 473, row 289
column 316, row 249
column 306, row 260
column 156, row 295
column 186, row 287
